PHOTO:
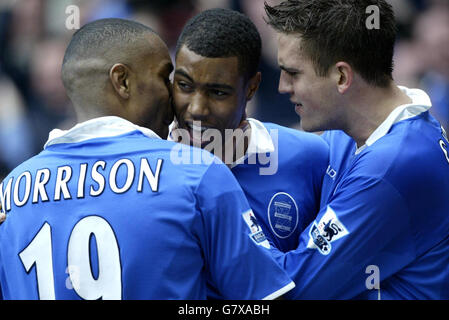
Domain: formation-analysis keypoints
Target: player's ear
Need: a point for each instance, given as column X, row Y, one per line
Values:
column 343, row 75
column 253, row 85
column 119, row 76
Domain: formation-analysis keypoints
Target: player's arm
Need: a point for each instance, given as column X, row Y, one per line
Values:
column 366, row 224
column 236, row 252
column 318, row 161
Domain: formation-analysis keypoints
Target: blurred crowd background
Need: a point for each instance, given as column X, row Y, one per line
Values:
column 33, row 38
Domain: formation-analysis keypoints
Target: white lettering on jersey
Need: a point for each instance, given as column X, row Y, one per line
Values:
column 153, row 179
column 121, row 178
column 129, row 177
column 82, row 180
column 42, row 177
column 27, row 190
column 5, row 196
column 98, row 178
column 63, row 176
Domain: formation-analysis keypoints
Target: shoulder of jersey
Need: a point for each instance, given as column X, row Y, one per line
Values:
column 296, row 139
column 405, row 150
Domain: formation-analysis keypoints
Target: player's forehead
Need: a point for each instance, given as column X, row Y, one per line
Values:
column 290, row 50
column 205, row 69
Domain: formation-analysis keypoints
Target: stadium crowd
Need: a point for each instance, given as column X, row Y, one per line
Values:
column 33, row 37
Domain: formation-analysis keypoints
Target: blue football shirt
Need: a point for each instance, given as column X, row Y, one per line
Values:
column 281, row 176
column 383, row 228
column 104, row 213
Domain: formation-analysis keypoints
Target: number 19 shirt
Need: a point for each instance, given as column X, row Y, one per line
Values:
column 104, row 213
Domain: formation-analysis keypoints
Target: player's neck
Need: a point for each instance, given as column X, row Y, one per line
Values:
column 92, row 110
column 83, row 116
column 237, row 145
column 371, row 107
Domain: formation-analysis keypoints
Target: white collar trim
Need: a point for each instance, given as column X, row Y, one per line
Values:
column 260, row 141
column 96, row 128
column 420, row 103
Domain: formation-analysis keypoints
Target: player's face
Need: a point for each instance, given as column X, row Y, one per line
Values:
column 153, row 107
column 210, row 90
column 312, row 95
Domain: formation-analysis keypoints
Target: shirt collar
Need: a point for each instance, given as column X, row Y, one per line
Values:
column 260, row 141
column 420, row 103
column 96, row 128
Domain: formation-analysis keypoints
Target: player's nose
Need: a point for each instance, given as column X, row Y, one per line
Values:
column 285, row 83
column 199, row 107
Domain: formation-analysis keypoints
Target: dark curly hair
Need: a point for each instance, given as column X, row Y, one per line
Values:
column 222, row 33
column 335, row 30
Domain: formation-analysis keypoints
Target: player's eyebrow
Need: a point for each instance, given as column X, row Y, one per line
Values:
column 219, row 86
column 216, row 86
column 289, row 70
column 184, row 74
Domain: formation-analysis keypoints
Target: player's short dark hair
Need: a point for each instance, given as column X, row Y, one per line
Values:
column 223, row 33
column 109, row 39
column 336, row 30
column 103, row 35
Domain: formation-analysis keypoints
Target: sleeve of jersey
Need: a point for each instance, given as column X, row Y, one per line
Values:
column 236, row 251
column 319, row 156
column 360, row 238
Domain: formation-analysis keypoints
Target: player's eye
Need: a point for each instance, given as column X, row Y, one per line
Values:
column 292, row 73
column 219, row 93
column 184, row 86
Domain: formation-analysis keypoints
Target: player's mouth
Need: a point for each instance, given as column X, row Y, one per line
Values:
column 196, row 131
column 196, row 126
column 298, row 106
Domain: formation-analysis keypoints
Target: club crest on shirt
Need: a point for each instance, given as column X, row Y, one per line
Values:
column 256, row 234
column 283, row 215
column 327, row 230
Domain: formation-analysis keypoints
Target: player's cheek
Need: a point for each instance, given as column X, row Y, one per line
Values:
column 180, row 102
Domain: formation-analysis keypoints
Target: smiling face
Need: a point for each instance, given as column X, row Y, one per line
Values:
column 315, row 97
column 210, row 90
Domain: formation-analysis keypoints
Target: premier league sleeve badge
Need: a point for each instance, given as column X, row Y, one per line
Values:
column 256, row 234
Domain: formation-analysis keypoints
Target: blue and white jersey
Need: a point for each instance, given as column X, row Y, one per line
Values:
column 383, row 228
column 281, row 175
column 102, row 212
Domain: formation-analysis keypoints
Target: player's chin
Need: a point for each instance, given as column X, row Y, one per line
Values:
column 308, row 125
